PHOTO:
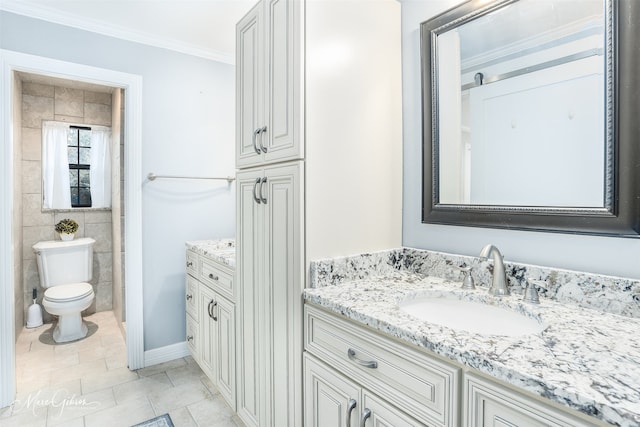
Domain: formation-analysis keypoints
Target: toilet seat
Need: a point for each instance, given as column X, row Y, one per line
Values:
column 68, row 293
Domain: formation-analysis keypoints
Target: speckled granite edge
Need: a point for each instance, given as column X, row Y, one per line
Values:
column 608, row 294
column 586, row 360
column 221, row 250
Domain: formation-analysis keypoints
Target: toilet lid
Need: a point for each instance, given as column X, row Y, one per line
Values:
column 70, row 292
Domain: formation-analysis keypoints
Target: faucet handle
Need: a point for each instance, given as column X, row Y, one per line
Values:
column 531, row 290
column 467, row 281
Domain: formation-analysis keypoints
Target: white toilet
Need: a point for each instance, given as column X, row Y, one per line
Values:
column 65, row 269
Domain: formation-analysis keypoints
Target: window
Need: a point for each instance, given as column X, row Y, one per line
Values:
column 79, row 151
column 76, row 166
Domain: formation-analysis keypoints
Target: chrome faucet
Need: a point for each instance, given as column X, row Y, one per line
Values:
column 499, row 283
column 531, row 290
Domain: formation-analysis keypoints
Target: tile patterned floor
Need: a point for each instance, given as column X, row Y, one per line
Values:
column 87, row 384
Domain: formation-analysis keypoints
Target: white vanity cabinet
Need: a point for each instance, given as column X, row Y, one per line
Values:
column 269, row 252
column 487, row 403
column 192, row 302
column 332, row 400
column 217, row 342
column 392, row 381
column 354, row 376
column 211, row 331
column 267, row 69
column 319, row 153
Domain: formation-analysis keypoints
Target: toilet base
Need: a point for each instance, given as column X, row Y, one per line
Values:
column 70, row 327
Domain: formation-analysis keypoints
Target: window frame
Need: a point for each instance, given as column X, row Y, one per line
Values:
column 77, row 167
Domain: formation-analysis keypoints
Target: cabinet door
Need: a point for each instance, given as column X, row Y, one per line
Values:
column 193, row 338
column 379, row 413
column 191, row 297
column 281, row 137
column 207, row 331
column 284, row 278
column 249, row 87
column 226, row 350
column 492, row 405
column 192, row 263
column 330, row 400
column 249, row 253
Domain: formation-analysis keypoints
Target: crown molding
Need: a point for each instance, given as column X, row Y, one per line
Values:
column 70, row 20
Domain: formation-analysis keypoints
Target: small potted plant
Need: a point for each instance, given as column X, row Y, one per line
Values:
column 67, row 228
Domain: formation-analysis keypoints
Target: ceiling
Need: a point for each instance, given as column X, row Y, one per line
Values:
column 204, row 28
column 55, row 81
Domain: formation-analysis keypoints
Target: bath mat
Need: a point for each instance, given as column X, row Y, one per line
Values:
column 161, row 421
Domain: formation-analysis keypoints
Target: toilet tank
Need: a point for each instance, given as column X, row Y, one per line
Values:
column 61, row 262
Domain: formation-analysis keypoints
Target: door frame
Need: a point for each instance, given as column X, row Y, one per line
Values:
column 10, row 62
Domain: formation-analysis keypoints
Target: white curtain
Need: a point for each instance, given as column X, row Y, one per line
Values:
column 55, row 166
column 100, row 172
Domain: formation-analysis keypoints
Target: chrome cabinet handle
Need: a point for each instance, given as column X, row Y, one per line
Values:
column 255, row 142
column 189, row 337
column 255, row 186
column 215, row 305
column 350, row 406
column 263, row 199
column 262, row 130
column 189, row 296
column 212, row 277
column 209, row 309
column 189, row 263
column 366, row 363
column 365, row 415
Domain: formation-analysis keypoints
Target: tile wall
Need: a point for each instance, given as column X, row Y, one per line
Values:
column 48, row 102
column 17, row 209
column 117, row 187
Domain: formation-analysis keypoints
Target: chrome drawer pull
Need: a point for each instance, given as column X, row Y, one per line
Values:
column 189, row 296
column 215, row 305
column 262, row 131
column 255, row 145
column 352, row 404
column 366, row 363
column 211, row 276
column 365, row 415
column 255, row 187
column 189, row 264
column 263, row 199
column 190, row 338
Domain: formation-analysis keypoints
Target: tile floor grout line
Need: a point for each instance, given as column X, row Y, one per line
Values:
column 43, row 355
column 192, row 417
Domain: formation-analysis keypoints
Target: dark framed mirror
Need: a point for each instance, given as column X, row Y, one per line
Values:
column 530, row 116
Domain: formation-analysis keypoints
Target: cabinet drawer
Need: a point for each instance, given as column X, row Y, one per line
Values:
column 489, row 404
column 191, row 298
column 383, row 414
column 425, row 388
column 193, row 340
column 217, row 277
column 192, row 263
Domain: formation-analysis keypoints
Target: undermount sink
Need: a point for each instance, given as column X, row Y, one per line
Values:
column 471, row 316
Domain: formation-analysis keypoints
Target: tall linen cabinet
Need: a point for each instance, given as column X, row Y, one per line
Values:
column 319, row 153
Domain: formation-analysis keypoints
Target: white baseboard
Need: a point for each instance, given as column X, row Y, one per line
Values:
column 166, row 353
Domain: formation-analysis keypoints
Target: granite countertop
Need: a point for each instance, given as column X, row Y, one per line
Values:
column 584, row 359
column 222, row 250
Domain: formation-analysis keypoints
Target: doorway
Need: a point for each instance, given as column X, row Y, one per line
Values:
column 10, row 224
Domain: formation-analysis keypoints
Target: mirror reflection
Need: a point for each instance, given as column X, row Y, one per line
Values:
column 522, row 119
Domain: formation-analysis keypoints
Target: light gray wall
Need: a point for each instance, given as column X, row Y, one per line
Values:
column 187, row 128
column 604, row 255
